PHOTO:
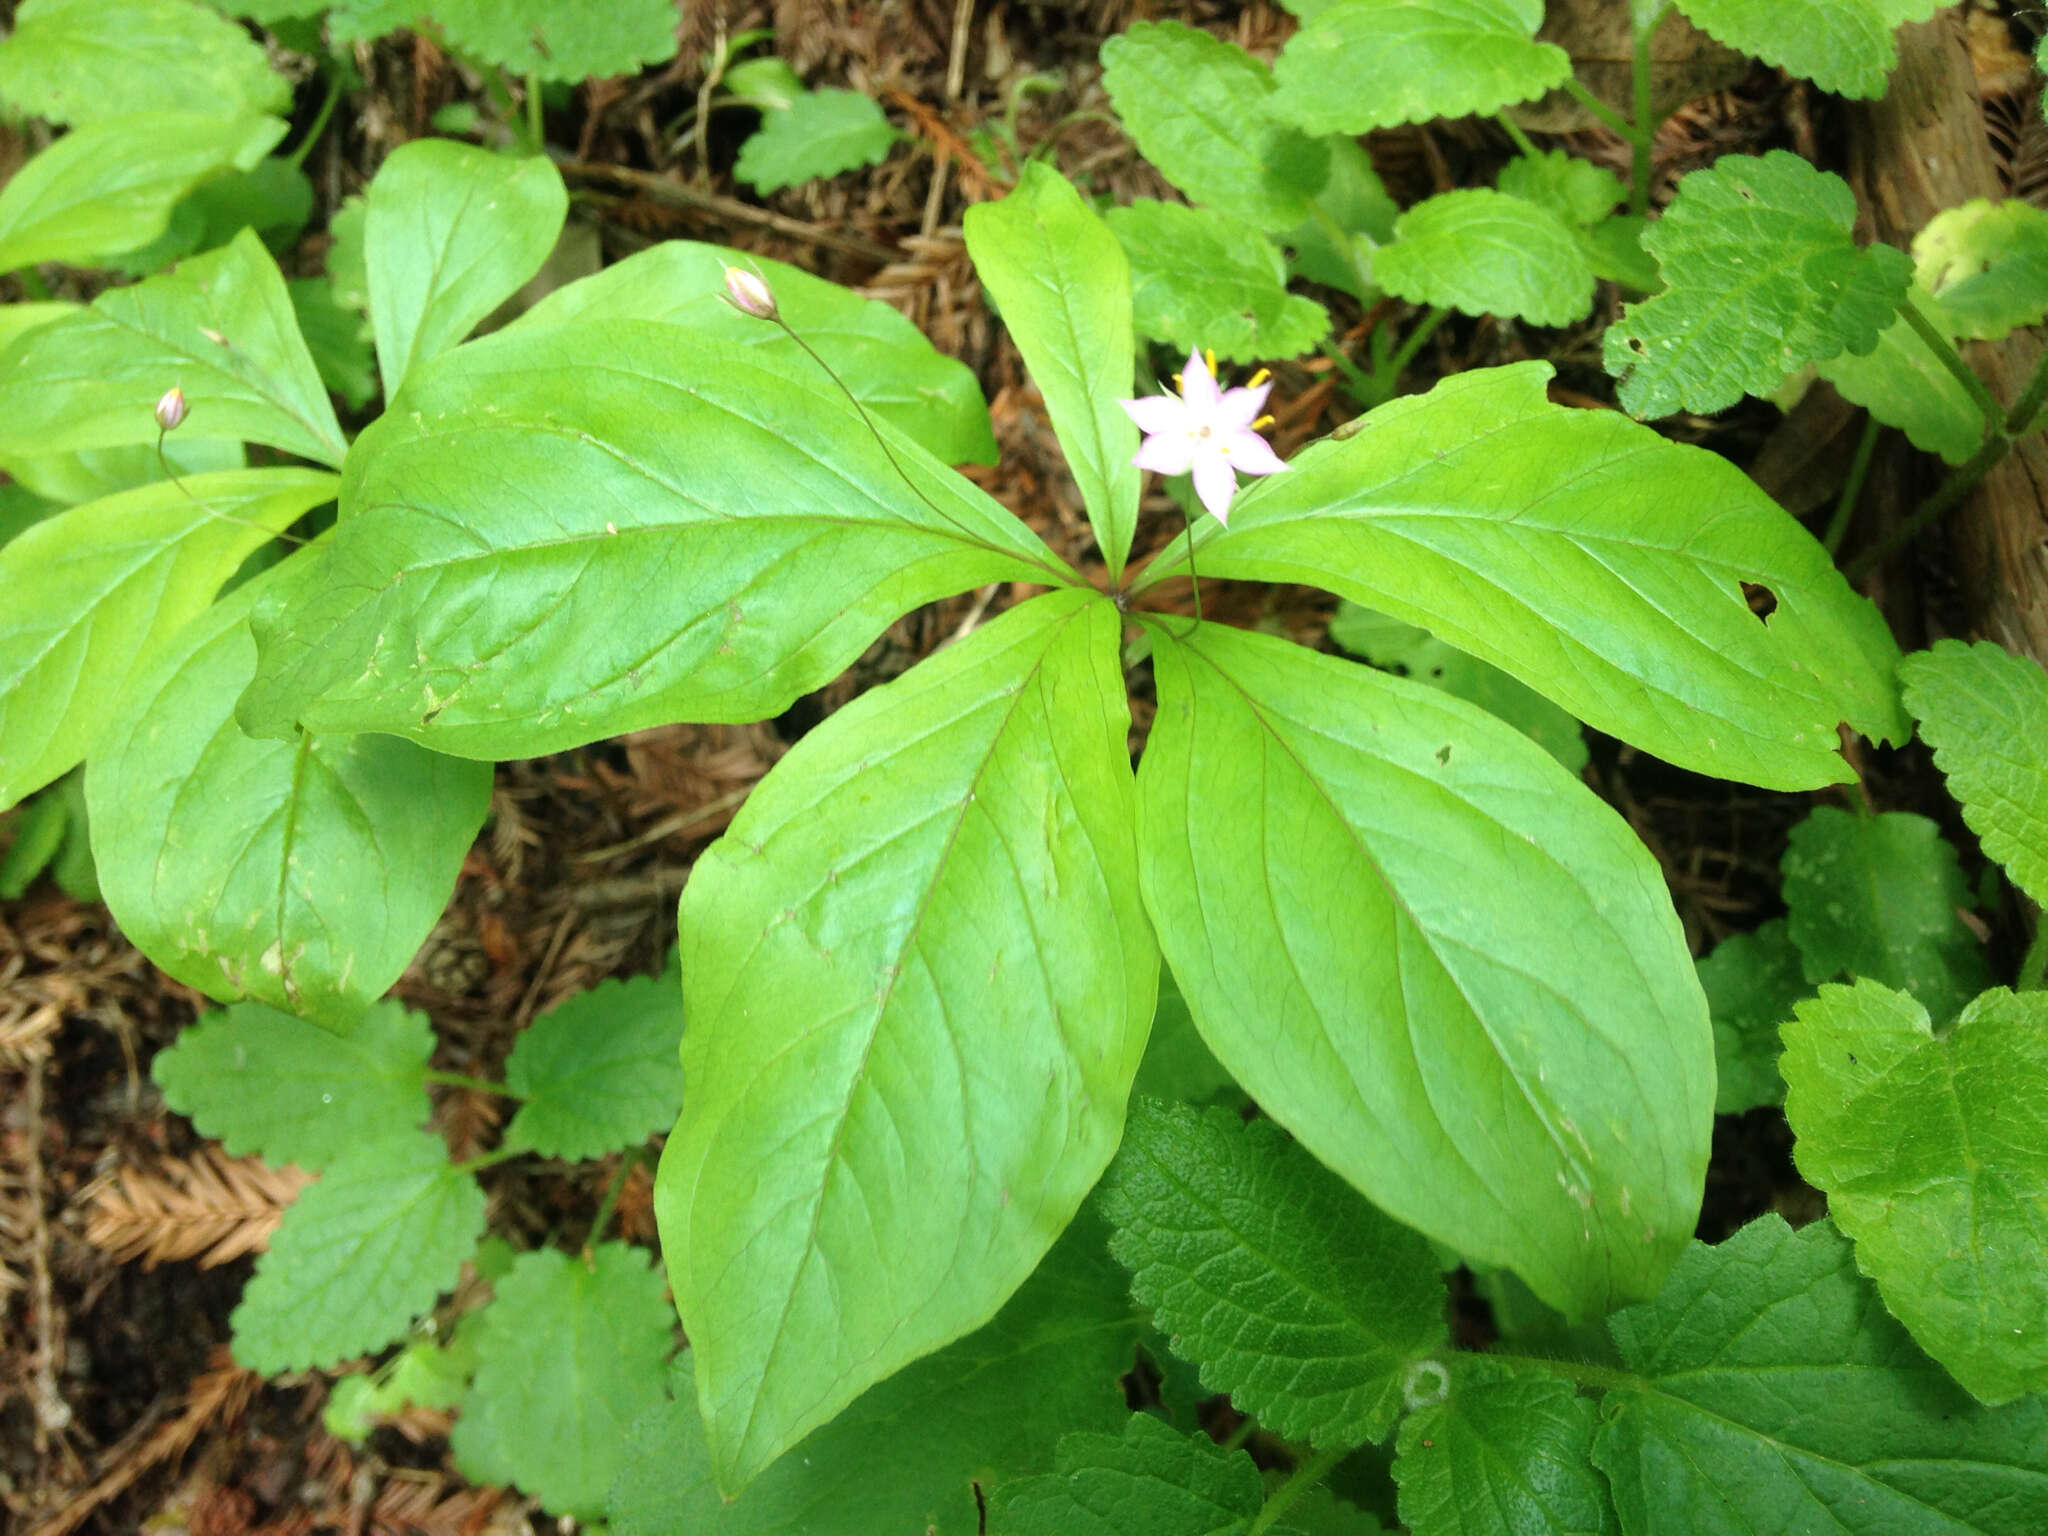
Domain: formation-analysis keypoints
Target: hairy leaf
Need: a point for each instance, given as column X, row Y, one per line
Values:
column 263, row 1082
column 1295, row 1296
column 554, row 41
column 1934, row 1155
column 1986, row 264
column 580, row 530
column 1502, row 1455
column 1599, row 563
column 1985, row 713
column 1763, row 275
column 1485, row 252
column 1903, row 384
column 1064, row 288
column 569, row 1354
column 81, row 61
column 599, row 1073
column 1151, row 1480
column 913, row 1021
column 1577, row 191
column 1843, row 46
column 819, row 134
column 451, row 233
column 1360, row 883
column 221, row 328
column 1204, row 280
column 1753, row 981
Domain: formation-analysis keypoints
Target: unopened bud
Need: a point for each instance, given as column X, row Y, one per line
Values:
column 170, row 410
column 748, row 294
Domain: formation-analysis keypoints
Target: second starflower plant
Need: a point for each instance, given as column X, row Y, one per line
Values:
column 920, row 968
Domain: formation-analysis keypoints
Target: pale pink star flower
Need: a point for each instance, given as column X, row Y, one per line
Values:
column 1208, row 430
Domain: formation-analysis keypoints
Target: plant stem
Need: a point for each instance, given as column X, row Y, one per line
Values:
column 1946, row 354
column 611, row 1199
column 1411, row 344
column 1304, row 1477
column 1852, row 487
column 536, row 124
column 2020, row 420
column 1192, row 577
column 1600, row 109
column 490, row 1159
column 462, row 1080
column 1961, row 481
column 171, row 475
column 1514, row 132
column 1643, row 132
column 297, row 158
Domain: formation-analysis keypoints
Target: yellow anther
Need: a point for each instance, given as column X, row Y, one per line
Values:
column 1262, row 423
column 1209, row 355
column 1259, row 378
column 1177, row 383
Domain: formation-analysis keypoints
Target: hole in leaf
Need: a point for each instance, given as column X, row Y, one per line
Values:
column 1763, row 602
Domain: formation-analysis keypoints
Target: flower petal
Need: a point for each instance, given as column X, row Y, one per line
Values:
column 1241, row 407
column 1250, row 455
column 1157, row 413
column 1214, row 483
column 1166, row 454
column 1198, row 386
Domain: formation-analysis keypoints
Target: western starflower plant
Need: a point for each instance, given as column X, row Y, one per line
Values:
column 1207, row 431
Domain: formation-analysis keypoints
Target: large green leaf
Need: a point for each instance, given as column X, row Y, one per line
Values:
column 1064, row 288
column 1196, row 107
column 1201, row 279
column 550, row 39
column 221, row 328
column 1360, row 883
column 452, row 232
column 1486, row 252
column 599, row 1073
column 1599, row 563
column 92, row 593
column 885, row 360
column 1776, row 1394
column 1502, row 1455
column 917, row 977
column 1933, row 1151
column 110, row 187
column 1151, row 1480
column 81, row 61
column 302, row 873
column 1843, row 46
column 581, row 530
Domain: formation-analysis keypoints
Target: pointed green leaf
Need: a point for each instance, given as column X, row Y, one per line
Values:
column 1295, row 1296
column 303, row 873
column 1763, row 275
column 570, row 1352
column 1485, row 252
column 1601, row 564
column 1577, row 191
column 1195, row 106
column 263, row 1082
column 1178, row 1064
column 1778, row 1395
column 599, row 1073
column 452, row 232
column 79, row 61
column 1358, row 65
column 1986, row 265
column 819, row 134
column 1843, row 46
column 337, row 339
column 1905, row 385
column 1985, row 713
column 88, row 474
column 915, row 1453
column 1151, row 1480
column 92, row 594
column 40, row 826
column 1203, row 280
column 362, row 1252
column 1360, row 883
column 1877, row 896
column 110, row 187
column 884, row 359
column 221, row 328
column 1934, row 1155
column 913, row 1021
column 1064, row 288
column 552, row 40
column 1753, row 981
column 581, row 530
column 1502, row 1455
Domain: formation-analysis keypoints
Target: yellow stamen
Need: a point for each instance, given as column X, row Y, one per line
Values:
column 1262, row 423
column 1209, row 355
column 1178, row 385
column 1259, row 378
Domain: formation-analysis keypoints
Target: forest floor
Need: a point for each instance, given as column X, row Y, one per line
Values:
column 119, row 1407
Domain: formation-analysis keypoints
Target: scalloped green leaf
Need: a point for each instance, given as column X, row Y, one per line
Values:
column 884, row 359
column 1903, row 384
column 1763, row 275
column 895, row 1096
column 1484, row 252
column 599, row 1073
column 1359, row 882
column 1591, row 558
column 1502, row 1455
column 1986, row 265
column 570, row 1353
column 1203, row 280
column 361, row 1253
column 94, row 592
column 1878, row 896
column 554, row 41
column 1577, row 191
column 450, row 233
column 1776, row 1394
column 1151, row 1480
column 264, row 1082
column 303, row 873
column 1933, row 1150
column 79, row 61
column 1753, row 981
column 1843, row 46
column 1195, row 106
column 221, row 328
column 1357, row 65
column 110, row 187
column 819, row 134
column 539, row 551
column 1291, row 1292
column 1063, row 285
column 1984, row 712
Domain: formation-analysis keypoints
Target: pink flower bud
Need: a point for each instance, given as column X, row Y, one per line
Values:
column 170, row 410
column 748, row 294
